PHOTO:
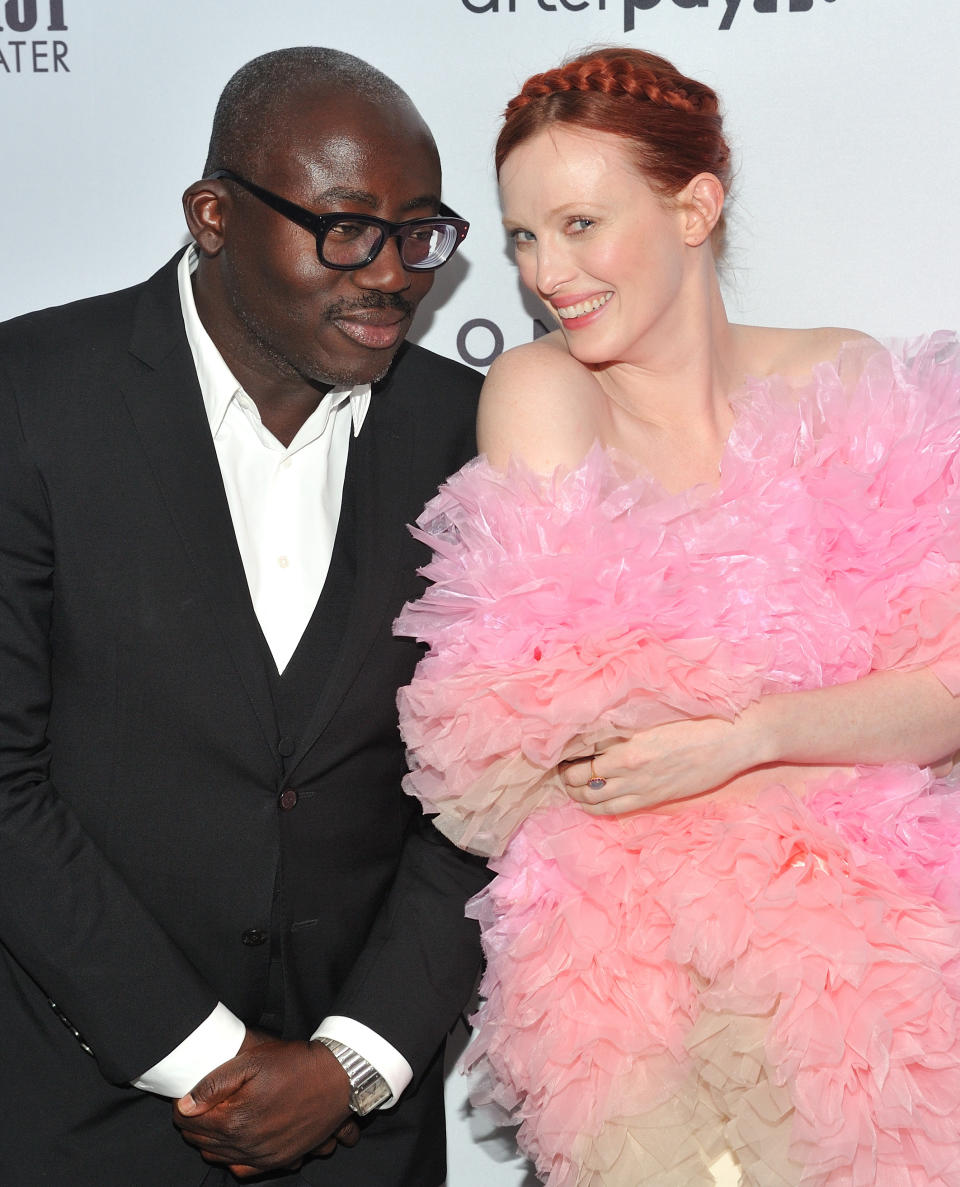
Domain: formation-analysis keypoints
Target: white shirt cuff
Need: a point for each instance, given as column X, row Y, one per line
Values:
column 375, row 1050
column 215, row 1040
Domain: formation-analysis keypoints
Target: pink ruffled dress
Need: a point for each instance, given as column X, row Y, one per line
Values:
column 779, row 978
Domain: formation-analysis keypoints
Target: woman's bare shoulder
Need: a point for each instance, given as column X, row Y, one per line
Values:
column 544, row 361
column 794, row 354
column 538, row 405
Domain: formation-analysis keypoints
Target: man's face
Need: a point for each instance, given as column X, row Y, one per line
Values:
column 278, row 312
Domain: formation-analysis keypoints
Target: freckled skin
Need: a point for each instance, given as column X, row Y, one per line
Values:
column 588, row 227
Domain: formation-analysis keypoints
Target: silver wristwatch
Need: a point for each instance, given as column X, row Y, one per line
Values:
column 368, row 1089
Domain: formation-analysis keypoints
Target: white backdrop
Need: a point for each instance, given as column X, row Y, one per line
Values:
column 841, row 113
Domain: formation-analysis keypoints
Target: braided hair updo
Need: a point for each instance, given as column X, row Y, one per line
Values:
column 672, row 122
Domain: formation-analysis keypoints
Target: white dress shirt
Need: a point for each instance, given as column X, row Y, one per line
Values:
column 285, row 505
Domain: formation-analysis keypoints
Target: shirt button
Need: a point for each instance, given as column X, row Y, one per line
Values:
column 253, row 937
column 288, row 799
column 286, row 747
column 283, row 562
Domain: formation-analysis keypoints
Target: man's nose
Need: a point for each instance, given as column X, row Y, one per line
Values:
column 385, row 272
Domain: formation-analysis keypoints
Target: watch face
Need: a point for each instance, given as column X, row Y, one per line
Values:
column 368, row 1088
column 365, row 1097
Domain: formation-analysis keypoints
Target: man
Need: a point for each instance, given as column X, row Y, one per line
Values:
column 204, row 849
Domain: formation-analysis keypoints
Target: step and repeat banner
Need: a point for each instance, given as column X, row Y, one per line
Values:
column 841, row 114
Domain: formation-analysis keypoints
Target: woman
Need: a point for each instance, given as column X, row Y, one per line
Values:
column 695, row 644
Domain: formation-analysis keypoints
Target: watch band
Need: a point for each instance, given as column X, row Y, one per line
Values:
column 368, row 1089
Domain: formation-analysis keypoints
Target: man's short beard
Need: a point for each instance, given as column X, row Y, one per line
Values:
column 332, row 377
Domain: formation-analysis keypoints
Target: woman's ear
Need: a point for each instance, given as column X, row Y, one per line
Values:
column 702, row 202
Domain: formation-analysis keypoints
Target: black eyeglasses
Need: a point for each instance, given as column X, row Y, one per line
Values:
column 348, row 241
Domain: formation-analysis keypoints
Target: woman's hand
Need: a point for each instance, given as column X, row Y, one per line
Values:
column 657, row 766
column 883, row 717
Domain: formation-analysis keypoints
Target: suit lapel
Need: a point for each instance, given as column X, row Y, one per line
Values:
column 380, row 474
column 163, row 398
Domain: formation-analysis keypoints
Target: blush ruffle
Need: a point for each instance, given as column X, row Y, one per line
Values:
column 779, row 979
column 661, row 988
column 568, row 610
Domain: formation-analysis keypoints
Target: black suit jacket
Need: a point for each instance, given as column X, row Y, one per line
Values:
column 147, row 868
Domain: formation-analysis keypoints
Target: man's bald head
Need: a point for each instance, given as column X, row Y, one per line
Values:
column 254, row 101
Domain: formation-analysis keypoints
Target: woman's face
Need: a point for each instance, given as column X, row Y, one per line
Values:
column 606, row 255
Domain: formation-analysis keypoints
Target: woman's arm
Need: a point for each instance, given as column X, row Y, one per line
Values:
column 883, row 717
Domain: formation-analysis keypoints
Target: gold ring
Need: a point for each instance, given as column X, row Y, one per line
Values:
column 596, row 781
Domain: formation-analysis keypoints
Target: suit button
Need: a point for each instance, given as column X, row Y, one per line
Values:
column 288, row 799
column 253, row 937
column 286, row 747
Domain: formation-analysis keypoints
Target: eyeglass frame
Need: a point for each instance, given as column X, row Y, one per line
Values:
column 319, row 224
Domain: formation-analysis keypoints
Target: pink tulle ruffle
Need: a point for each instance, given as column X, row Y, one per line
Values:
column 779, row 979
column 589, row 605
column 732, row 977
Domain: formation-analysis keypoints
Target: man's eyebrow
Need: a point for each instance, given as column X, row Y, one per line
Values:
column 337, row 194
column 342, row 194
column 430, row 201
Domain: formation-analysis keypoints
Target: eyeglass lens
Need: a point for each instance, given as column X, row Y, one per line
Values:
column 349, row 244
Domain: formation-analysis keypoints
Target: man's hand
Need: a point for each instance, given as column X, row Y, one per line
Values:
column 269, row 1106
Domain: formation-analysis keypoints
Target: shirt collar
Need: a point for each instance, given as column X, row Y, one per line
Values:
column 218, row 385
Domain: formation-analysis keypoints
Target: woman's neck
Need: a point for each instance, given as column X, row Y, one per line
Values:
column 670, row 406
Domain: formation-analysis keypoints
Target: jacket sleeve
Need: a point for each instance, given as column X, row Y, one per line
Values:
column 422, row 959
column 65, row 914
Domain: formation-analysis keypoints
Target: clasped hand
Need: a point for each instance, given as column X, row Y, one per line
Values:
column 657, row 766
column 267, row 1108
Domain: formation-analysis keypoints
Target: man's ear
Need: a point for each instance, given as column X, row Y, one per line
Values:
column 203, row 208
column 702, row 203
